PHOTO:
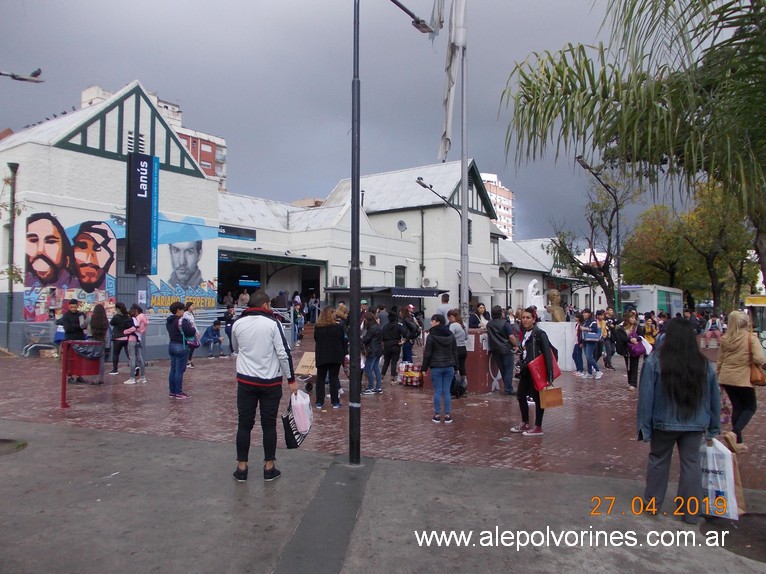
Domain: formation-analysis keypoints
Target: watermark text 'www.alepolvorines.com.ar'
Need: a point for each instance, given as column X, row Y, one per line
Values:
column 590, row 538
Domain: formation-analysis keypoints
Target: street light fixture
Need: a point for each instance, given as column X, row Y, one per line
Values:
column 32, row 77
column 463, row 246
column 613, row 194
column 507, row 267
column 420, row 24
column 355, row 274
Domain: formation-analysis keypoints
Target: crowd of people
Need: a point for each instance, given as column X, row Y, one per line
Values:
column 679, row 390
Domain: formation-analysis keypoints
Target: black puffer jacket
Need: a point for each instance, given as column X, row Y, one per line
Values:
column 373, row 341
column 441, row 348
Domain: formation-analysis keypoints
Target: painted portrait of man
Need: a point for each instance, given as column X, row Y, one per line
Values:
column 184, row 257
column 49, row 253
column 94, row 249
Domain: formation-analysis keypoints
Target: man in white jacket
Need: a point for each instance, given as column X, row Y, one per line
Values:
column 263, row 361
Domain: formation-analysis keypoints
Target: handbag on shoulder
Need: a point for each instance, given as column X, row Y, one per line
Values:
column 757, row 376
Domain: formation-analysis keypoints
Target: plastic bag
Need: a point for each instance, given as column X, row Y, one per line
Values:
column 718, row 477
column 647, row 345
column 301, row 407
column 293, row 438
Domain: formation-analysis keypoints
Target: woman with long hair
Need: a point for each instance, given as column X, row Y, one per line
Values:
column 98, row 329
column 460, row 332
column 373, row 350
column 678, row 403
column 330, row 349
column 534, row 342
column 630, row 332
column 122, row 331
column 739, row 349
column 479, row 318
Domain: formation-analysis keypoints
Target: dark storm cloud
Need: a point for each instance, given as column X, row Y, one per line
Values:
column 274, row 79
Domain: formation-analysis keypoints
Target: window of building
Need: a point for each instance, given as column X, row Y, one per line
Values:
column 207, row 147
column 206, row 165
column 400, row 275
column 470, row 232
column 373, row 260
column 495, row 251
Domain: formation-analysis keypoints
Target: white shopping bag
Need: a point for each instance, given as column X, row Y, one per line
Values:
column 647, row 345
column 301, row 407
column 718, row 478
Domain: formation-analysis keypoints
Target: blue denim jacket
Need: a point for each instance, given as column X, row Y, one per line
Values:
column 656, row 412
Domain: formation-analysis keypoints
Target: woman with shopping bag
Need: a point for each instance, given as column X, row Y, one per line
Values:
column 534, row 342
column 678, row 404
column 739, row 350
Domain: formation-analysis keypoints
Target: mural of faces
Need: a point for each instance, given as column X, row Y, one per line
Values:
column 57, row 268
column 94, row 247
column 48, row 249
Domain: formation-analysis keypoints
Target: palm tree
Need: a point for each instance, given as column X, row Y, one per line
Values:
column 679, row 96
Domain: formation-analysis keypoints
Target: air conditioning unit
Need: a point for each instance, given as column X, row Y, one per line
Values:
column 429, row 282
column 338, row 281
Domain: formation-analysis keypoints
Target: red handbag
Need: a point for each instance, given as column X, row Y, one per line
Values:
column 540, row 373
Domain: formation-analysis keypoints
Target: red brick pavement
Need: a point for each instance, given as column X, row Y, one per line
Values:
column 593, row 434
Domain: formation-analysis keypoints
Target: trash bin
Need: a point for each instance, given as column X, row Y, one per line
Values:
column 481, row 370
column 79, row 358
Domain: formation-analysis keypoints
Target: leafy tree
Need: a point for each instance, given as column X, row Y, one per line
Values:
column 654, row 252
column 682, row 93
column 593, row 255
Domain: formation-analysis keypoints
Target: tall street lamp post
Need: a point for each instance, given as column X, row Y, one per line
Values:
column 14, row 167
column 355, row 275
column 462, row 213
column 613, row 194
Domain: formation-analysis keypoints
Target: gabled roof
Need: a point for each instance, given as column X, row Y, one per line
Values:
column 398, row 190
column 110, row 129
column 528, row 254
column 48, row 132
column 258, row 213
column 253, row 212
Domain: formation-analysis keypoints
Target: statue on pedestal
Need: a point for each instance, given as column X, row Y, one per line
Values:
column 554, row 306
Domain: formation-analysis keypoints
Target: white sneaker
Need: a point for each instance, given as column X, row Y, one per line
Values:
column 579, row 374
column 130, row 381
column 587, row 376
column 599, row 374
column 142, row 380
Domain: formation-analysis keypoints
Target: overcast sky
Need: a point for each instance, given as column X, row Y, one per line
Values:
column 274, row 79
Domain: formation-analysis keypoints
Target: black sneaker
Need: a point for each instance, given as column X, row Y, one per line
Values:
column 114, row 372
column 240, row 475
column 447, row 419
column 271, row 474
column 378, row 391
column 190, row 365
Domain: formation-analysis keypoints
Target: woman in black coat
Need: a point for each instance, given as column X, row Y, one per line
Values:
column 373, row 350
column 330, row 349
column 534, row 342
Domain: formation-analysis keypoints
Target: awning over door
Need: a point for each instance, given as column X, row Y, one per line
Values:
column 478, row 285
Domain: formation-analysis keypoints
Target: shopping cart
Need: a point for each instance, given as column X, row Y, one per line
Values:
column 40, row 336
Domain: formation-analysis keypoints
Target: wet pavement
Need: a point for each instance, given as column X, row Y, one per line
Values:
column 593, row 434
column 128, row 480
